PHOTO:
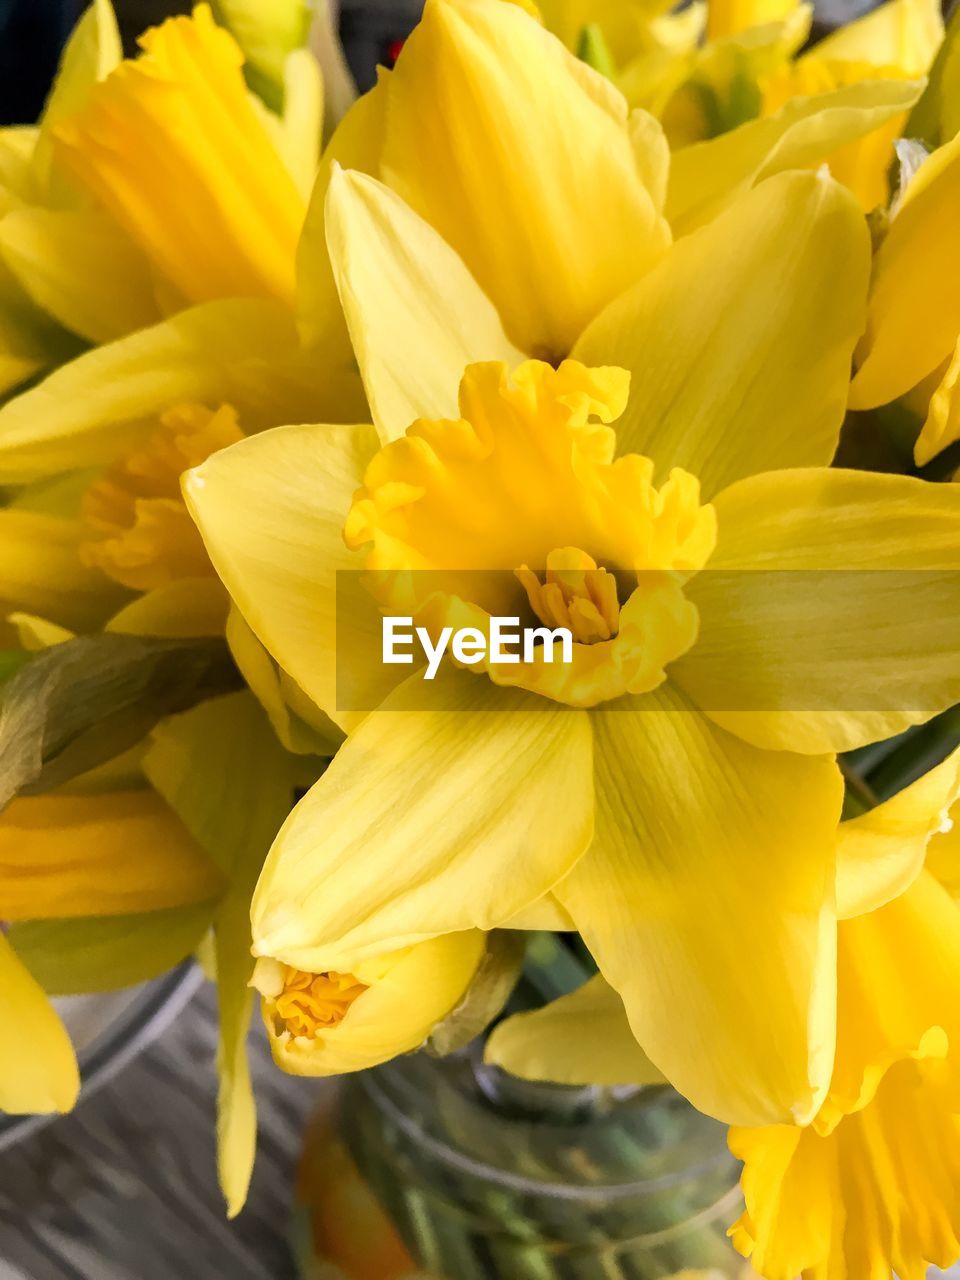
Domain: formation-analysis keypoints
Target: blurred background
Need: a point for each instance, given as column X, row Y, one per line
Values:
column 32, row 33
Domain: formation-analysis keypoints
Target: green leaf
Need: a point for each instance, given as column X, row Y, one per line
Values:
column 489, row 991
column 222, row 770
column 78, row 704
column 105, row 953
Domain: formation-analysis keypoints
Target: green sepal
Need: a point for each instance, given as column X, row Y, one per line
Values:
column 494, row 980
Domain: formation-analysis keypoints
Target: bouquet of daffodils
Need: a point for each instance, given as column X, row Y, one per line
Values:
column 516, row 502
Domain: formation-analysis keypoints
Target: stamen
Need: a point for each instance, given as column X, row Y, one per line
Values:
column 575, row 593
column 309, row 1003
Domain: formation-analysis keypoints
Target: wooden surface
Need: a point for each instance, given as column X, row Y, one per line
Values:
column 125, row 1188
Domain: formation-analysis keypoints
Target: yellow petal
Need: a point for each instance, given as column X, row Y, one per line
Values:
column 36, row 634
column 76, row 266
column 416, row 316
column 850, row 632
column 705, row 177
column 170, row 146
column 184, row 608
column 201, row 762
column 882, row 852
column 265, row 680
column 356, row 144
column 75, row 855
column 41, row 571
column 545, row 913
column 91, row 53
column 88, row 954
column 900, row 33
column 759, row 274
column 38, row 1069
column 521, row 158
column 441, row 812
column 862, row 164
column 729, row 17
column 302, row 120
column 242, row 352
column 876, row 1197
column 914, row 315
column 17, row 145
column 707, row 901
column 652, row 152
column 271, row 510
column 870, row 1189
column 897, row 971
column 30, row 341
column 942, row 425
column 581, row 1038
column 408, row 993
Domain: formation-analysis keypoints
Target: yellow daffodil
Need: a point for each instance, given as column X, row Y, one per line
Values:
column 870, row 1188
column 328, row 1023
column 213, row 214
column 76, row 549
column 489, row 178
column 65, row 856
column 913, row 325
column 197, row 191
column 203, row 193
column 898, row 40
column 522, row 782
column 750, row 67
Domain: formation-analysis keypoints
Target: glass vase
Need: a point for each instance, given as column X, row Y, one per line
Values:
column 443, row 1169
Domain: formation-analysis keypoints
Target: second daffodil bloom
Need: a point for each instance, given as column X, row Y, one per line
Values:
column 323, row 1024
column 870, row 1188
column 671, row 792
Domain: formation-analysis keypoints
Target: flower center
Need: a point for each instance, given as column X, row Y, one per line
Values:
column 575, row 594
column 521, row 507
column 305, row 1004
column 138, row 529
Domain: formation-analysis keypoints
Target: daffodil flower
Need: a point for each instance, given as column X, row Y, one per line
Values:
column 490, row 173
column 66, row 856
column 189, row 203
column 870, row 1187
column 323, row 1024
column 913, row 326
column 750, row 67
column 897, row 41
column 670, row 793
column 157, row 212
column 75, row 550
